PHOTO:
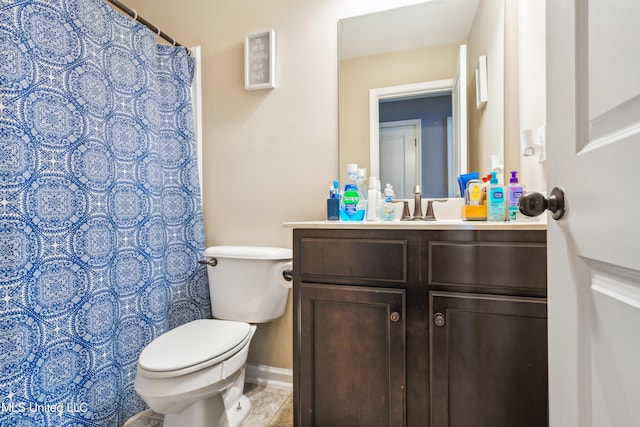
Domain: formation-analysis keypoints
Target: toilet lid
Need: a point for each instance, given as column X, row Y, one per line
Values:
column 193, row 343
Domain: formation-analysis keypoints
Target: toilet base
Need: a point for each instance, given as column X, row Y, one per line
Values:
column 226, row 409
column 205, row 412
column 239, row 411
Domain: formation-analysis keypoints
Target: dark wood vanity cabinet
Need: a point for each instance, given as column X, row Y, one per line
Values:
column 419, row 328
column 352, row 368
column 489, row 360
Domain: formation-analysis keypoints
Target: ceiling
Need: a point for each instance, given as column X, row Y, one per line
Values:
column 424, row 24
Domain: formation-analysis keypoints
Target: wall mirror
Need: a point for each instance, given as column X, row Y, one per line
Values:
column 400, row 75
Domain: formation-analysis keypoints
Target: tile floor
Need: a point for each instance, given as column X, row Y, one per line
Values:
column 270, row 407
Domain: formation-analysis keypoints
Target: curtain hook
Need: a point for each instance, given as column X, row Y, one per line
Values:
column 135, row 15
column 158, row 28
column 173, row 41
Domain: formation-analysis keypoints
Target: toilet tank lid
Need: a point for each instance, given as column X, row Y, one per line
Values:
column 248, row 252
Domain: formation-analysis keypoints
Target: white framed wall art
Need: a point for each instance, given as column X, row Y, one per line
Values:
column 260, row 60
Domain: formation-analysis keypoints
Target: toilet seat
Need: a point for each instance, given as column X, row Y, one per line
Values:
column 193, row 346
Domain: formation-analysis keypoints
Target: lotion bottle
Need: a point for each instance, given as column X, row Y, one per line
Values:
column 495, row 200
column 513, row 191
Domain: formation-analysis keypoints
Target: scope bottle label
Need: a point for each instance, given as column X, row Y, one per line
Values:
column 351, row 198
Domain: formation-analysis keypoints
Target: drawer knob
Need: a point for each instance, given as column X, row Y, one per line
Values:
column 438, row 319
column 395, row 316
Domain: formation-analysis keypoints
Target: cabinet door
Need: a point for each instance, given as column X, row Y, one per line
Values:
column 352, row 356
column 488, row 361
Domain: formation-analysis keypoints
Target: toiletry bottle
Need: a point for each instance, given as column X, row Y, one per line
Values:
column 372, row 199
column 485, row 184
column 388, row 212
column 362, row 188
column 514, row 191
column 495, row 200
column 379, row 199
column 352, row 203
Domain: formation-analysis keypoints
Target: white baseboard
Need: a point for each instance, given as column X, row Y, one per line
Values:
column 270, row 376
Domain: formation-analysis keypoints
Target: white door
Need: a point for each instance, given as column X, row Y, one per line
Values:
column 593, row 141
column 400, row 156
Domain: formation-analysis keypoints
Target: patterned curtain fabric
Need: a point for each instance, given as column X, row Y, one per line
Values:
column 101, row 220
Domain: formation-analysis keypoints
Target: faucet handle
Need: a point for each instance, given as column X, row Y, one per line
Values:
column 430, row 216
column 406, row 215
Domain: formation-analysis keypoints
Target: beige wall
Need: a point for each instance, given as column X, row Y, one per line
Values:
column 359, row 75
column 269, row 156
column 486, row 126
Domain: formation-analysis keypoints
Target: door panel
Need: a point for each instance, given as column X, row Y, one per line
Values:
column 400, row 156
column 593, row 141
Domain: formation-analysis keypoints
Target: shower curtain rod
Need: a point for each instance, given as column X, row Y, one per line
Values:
column 132, row 13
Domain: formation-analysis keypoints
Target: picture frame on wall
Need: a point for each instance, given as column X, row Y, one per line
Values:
column 260, row 60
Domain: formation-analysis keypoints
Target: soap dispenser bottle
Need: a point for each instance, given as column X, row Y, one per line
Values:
column 388, row 212
column 495, row 200
column 352, row 203
column 514, row 192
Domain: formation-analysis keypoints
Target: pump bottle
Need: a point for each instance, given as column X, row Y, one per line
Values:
column 513, row 192
column 495, row 200
column 388, row 211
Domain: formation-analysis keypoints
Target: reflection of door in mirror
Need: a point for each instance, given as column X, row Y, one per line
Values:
column 400, row 155
column 425, row 157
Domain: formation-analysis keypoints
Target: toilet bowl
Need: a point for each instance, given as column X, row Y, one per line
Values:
column 186, row 377
column 194, row 374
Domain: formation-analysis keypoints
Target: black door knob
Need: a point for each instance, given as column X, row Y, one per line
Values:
column 533, row 204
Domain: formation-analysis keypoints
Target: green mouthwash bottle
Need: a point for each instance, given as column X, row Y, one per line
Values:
column 495, row 200
column 352, row 203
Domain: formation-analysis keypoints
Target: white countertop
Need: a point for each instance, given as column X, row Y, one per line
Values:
column 445, row 224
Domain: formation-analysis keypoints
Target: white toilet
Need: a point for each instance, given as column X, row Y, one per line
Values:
column 194, row 374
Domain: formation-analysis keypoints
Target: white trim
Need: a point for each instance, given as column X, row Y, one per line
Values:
column 269, row 376
column 396, row 92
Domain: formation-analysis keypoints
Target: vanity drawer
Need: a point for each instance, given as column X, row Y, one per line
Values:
column 353, row 260
column 506, row 265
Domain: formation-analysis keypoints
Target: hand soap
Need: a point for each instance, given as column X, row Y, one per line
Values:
column 514, row 192
column 352, row 207
column 495, row 200
column 388, row 212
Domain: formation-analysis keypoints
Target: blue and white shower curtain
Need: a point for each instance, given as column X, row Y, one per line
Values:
column 101, row 220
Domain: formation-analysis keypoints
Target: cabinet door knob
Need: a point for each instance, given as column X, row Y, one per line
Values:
column 395, row 316
column 438, row 319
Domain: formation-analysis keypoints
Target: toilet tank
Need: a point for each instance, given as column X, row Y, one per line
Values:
column 246, row 283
